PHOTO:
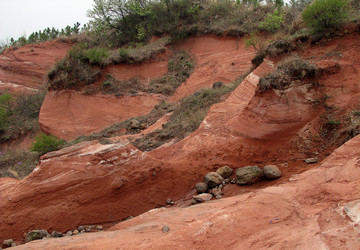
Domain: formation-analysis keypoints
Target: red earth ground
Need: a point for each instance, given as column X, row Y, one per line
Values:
column 90, row 183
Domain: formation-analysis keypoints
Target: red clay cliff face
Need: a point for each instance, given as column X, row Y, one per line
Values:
column 217, row 59
column 90, row 183
column 24, row 69
column 307, row 213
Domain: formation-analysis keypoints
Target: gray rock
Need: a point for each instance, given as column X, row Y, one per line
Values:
column 213, row 179
column 69, row 233
column 75, row 232
column 81, row 228
column 216, row 191
column 98, row 227
column 225, row 171
column 129, row 218
column 55, row 234
column 135, row 124
column 311, row 160
column 219, row 196
column 13, row 244
column 202, row 197
column 271, row 172
column 202, row 187
column 8, row 242
column 165, row 229
column 248, row 175
column 36, row 235
column 193, row 202
column 218, row 85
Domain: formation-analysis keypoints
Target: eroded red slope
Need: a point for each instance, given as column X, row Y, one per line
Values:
column 307, row 213
column 24, row 69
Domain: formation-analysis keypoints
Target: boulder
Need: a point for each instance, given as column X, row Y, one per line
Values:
column 311, row 160
column 271, row 172
column 248, row 175
column 225, row 171
column 218, row 85
column 134, row 124
column 7, row 243
column 213, row 179
column 202, row 197
column 36, row 235
column 202, row 187
column 55, row 234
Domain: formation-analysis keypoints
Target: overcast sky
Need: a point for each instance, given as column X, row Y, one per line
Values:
column 22, row 17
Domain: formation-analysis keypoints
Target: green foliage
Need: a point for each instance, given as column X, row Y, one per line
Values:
column 19, row 116
column 322, row 15
column 46, row 143
column 180, row 66
column 97, row 56
column 273, row 21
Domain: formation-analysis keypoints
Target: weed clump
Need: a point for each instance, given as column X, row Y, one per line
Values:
column 291, row 69
column 180, row 66
column 46, row 143
column 17, row 163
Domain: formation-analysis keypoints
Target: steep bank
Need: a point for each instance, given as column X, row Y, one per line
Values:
column 307, row 213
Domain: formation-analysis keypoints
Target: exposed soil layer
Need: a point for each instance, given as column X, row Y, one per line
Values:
column 217, row 59
column 68, row 113
column 90, row 183
column 307, row 212
column 25, row 68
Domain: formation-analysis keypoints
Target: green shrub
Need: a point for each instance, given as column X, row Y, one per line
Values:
column 97, row 56
column 272, row 21
column 322, row 15
column 46, row 143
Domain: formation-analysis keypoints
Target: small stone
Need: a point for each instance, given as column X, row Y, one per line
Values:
column 213, row 179
column 217, row 85
column 202, row 187
column 13, row 244
column 219, row 196
column 81, row 228
column 193, row 202
column 98, row 227
column 75, row 232
column 55, row 234
column 271, row 172
column 233, row 181
column 36, row 235
column 134, row 124
column 8, row 242
column 225, row 171
column 143, row 126
column 88, row 230
column 129, row 218
column 69, row 233
column 248, row 175
column 165, row 229
column 311, row 160
column 168, row 201
column 227, row 181
column 202, row 197
column 216, row 191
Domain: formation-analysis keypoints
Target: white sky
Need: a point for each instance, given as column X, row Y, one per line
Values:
column 22, row 17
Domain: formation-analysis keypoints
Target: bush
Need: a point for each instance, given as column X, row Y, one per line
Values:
column 46, row 143
column 322, row 15
column 272, row 21
column 97, row 56
column 290, row 69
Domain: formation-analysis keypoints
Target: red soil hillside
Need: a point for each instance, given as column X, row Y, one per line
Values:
column 91, row 183
column 217, row 59
column 24, row 69
column 307, row 213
